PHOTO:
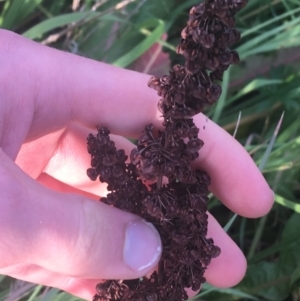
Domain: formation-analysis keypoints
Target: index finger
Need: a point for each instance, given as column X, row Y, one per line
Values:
column 61, row 87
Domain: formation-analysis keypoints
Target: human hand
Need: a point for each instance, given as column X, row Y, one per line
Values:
column 53, row 232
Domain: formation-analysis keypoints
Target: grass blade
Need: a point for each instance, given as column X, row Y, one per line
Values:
column 249, row 47
column 221, row 102
column 237, row 124
column 17, row 12
column 270, row 21
column 36, row 291
column 270, row 145
column 286, row 203
column 143, row 46
column 228, row 291
column 228, row 225
column 50, row 295
column 263, row 220
column 38, row 30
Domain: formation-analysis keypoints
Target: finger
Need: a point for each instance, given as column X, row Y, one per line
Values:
column 72, row 88
column 40, row 151
column 93, row 240
column 68, row 161
column 54, row 184
column 60, row 155
column 235, row 179
column 231, row 262
column 71, row 159
column 102, row 94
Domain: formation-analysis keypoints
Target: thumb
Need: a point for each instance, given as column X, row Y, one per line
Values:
column 70, row 234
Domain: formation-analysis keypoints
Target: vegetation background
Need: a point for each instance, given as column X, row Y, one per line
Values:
column 142, row 35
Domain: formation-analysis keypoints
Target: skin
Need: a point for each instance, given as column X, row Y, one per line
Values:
column 53, row 232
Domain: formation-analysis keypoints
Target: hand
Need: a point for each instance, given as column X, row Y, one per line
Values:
column 53, row 232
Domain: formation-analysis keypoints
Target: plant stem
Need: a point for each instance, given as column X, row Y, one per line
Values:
column 159, row 182
column 257, row 236
column 160, row 273
column 35, row 292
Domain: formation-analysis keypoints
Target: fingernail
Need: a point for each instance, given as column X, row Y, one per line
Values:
column 142, row 247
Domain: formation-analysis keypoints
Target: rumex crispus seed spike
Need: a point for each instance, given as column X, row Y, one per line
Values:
column 176, row 206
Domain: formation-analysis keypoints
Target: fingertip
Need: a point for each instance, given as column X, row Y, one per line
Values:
column 90, row 237
column 263, row 204
column 235, row 178
column 229, row 268
column 117, row 244
column 142, row 247
column 255, row 199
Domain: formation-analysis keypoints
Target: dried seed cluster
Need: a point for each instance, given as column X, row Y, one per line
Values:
column 177, row 206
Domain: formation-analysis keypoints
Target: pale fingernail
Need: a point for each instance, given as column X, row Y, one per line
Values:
column 142, row 247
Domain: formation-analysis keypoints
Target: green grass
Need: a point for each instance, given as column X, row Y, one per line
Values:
column 256, row 92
